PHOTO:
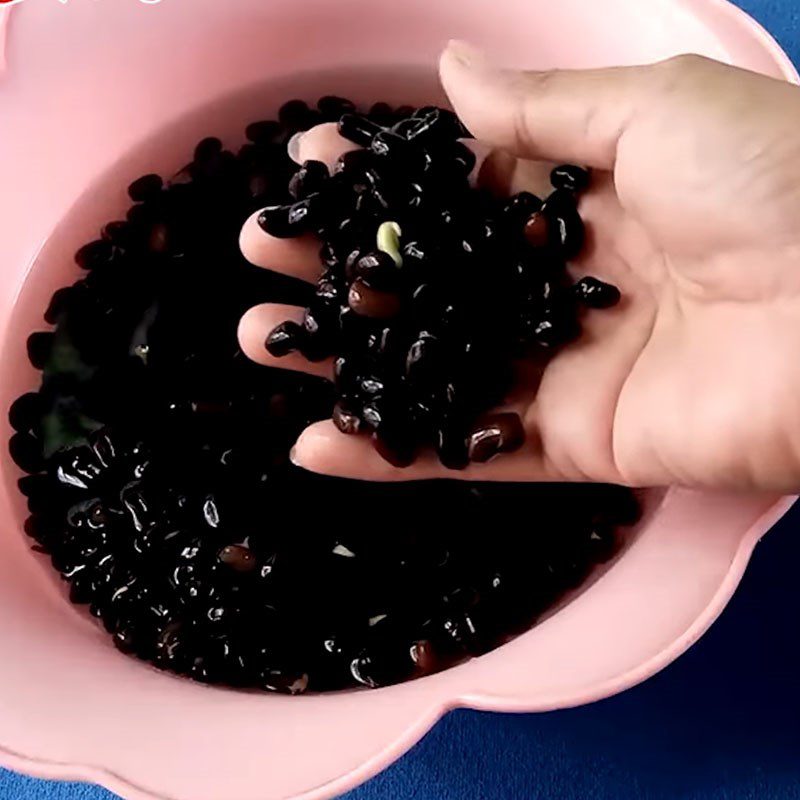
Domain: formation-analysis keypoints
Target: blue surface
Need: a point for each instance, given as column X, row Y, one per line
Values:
column 722, row 723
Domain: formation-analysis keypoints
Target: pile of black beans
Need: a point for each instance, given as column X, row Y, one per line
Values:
column 431, row 287
column 159, row 481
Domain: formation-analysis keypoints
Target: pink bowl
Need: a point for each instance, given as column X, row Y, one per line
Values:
column 94, row 93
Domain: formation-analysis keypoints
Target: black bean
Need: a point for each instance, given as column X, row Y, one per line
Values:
column 494, row 434
column 520, row 207
column 332, row 107
column 263, row 131
column 284, row 339
column 26, row 412
column 26, row 452
column 40, row 346
column 537, row 230
column 121, row 233
column 328, row 290
column 462, row 158
column 555, row 331
column 346, row 418
column 424, row 360
column 59, row 303
column 390, row 420
column 430, row 125
column 594, row 293
column 373, row 303
column 275, row 221
column 451, row 444
column 145, row 188
column 310, row 178
column 94, row 254
column 355, row 164
column 406, row 127
column 377, row 269
column 404, row 156
column 381, row 113
column 301, row 215
column 238, row 557
column 358, row 129
column 565, row 227
column 570, row 178
column 295, row 115
column 207, row 149
column 374, row 669
column 330, row 258
column 441, row 123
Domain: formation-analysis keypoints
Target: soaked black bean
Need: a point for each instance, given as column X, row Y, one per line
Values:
column 395, row 445
column 565, row 228
column 294, row 114
column 346, row 418
column 520, row 207
column 595, row 293
column 392, row 147
column 145, row 188
column 570, row 178
column 207, row 149
column 554, row 331
column 495, row 434
column 26, row 412
column 355, row 164
column 377, row 269
column 310, row 178
column 121, row 233
column 238, row 558
column 284, row 339
column 59, row 303
column 263, row 131
column 26, row 452
column 332, row 107
column 358, row 129
column 275, row 221
column 373, row 303
column 94, row 254
column 537, row 230
column 300, row 216
column 40, row 346
column 451, row 443
column 432, row 124
column 424, row 360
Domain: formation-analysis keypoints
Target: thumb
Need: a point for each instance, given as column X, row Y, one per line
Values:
column 576, row 116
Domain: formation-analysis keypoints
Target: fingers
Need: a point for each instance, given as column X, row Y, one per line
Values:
column 320, row 143
column 296, row 257
column 575, row 116
column 259, row 322
column 324, row 449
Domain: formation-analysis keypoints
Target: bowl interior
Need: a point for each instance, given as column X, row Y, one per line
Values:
column 87, row 108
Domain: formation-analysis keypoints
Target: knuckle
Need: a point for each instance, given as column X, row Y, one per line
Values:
column 679, row 68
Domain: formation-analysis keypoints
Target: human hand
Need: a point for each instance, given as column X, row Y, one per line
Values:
column 693, row 378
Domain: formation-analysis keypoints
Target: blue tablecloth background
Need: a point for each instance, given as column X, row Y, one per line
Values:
column 722, row 723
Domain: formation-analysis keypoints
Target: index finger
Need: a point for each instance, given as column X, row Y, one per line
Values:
column 298, row 257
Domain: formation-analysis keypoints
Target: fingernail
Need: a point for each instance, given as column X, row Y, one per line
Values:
column 481, row 152
column 293, row 457
column 293, row 146
column 466, row 53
